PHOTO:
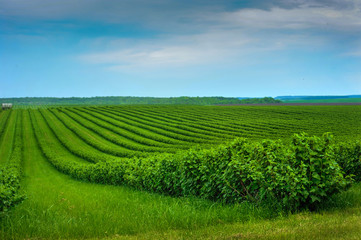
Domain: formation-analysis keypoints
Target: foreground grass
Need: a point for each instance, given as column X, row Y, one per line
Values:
column 345, row 224
column 340, row 218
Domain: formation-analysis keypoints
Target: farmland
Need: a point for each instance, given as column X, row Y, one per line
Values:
column 94, row 172
column 337, row 100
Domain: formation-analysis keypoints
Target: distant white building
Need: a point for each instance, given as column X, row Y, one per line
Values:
column 6, row 105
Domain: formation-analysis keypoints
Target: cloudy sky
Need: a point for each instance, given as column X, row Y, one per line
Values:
column 164, row 48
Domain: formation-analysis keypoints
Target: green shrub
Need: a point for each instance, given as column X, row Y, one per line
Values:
column 9, row 188
column 10, row 174
column 297, row 175
column 309, row 174
column 349, row 158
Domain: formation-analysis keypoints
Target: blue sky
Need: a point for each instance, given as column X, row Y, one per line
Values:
column 161, row 48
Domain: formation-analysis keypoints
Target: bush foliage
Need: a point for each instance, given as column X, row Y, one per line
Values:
column 297, row 175
column 9, row 188
column 10, row 175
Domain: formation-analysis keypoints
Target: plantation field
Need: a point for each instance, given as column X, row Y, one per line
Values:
column 334, row 100
column 112, row 172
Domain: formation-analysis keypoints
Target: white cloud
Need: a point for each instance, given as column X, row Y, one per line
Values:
column 221, row 36
column 171, row 50
column 295, row 18
column 220, row 46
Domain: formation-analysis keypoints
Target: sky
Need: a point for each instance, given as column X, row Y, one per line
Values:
column 170, row 48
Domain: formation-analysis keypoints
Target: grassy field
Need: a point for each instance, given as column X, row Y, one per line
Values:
column 58, row 206
column 334, row 100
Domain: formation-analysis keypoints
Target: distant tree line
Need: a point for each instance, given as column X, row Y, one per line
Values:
column 260, row 100
column 43, row 101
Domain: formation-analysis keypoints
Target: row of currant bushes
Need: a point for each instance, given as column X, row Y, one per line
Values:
column 136, row 134
column 110, row 136
column 10, row 174
column 157, row 134
column 348, row 156
column 95, row 143
column 181, row 129
column 297, row 175
column 9, row 187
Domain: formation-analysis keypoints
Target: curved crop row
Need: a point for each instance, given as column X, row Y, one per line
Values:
column 4, row 117
column 137, row 135
column 139, row 130
column 10, row 173
column 205, row 124
column 8, row 137
column 170, row 132
column 93, row 139
column 57, row 154
column 222, row 129
column 165, row 125
column 187, row 128
column 242, row 170
column 113, row 137
column 313, row 119
column 210, row 125
column 164, row 131
column 69, row 140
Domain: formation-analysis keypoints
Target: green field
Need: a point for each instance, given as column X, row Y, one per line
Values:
column 121, row 100
column 76, row 168
column 333, row 100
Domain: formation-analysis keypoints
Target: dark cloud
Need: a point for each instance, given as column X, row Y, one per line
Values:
column 167, row 14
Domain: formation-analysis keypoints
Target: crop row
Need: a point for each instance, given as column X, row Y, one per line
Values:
column 115, row 138
column 10, row 172
column 224, row 126
column 8, row 136
column 4, row 117
column 68, row 139
column 214, row 129
column 242, row 170
column 149, row 149
column 124, row 132
column 221, row 128
column 162, row 131
column 269, row 121
column 93, row 139
column 136, row 129
column 194, row 128
column 139, row 131
column 167, row 125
